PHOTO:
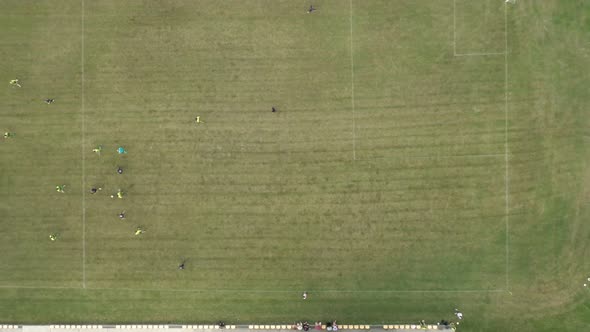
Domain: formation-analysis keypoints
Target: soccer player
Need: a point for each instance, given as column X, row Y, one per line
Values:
column 122, row 215
column 181, row 266
column 8, row 135
column 93, row 190
column 119, row 170
column 120, row 193
column 198, row 120
column 53, row 237
column 14, row 82
column 304, row 295
column 49, row 101
column 310, row 10
column 121, row 150
column 274, row 109
column 138, row 231
column 97, row 149
column 60, row 189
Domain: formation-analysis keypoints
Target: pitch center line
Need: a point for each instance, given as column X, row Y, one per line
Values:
column 83, row 161
column 352, row 88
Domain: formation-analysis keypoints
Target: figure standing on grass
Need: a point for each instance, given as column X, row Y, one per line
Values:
column 120, row 193
column 119, row 170
column 138, row 231
column 97, row 149
column 181, row 266
column 274, row 110
column 49, row 101
column 53, row 236
column 198, row 120
column 121, row 150
column 14, row 82
column 122, row 215
column 94, row 190
column 8, row 135
column 458, row 314
column 311, row 9
column 61, row 189
column 304, row 295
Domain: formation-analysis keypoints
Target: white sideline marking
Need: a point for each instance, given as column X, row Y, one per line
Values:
column 480, row 54
column 490, row 155
column 506, row 178
column 454, row 27
column 83, row 164
column 37, row 287
column 205, row 290
column 352, row 88
column 354, row 158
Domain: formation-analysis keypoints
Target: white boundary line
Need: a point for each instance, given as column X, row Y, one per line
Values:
column 455, row 27
column 83, row 162
column 506, row 177
column 37, row 287
column 352, row 88
column 205, row 290
column 354, row 158
column 455, row 39
column 491, row 155
column 480, row 54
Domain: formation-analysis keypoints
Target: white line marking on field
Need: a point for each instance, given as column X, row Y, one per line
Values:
column 506, row 178
column 352, row 88
column 205, row 290
column 455, row 27
column 37, row 287
column 83, row 164
column 480, row 54
column 491, row 155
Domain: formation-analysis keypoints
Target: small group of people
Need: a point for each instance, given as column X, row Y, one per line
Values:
column 332, row 326
column 301, row 326
column 305, row 326
column 119, row 194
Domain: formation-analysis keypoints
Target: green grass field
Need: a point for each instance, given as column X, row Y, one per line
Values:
column 426, row 155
